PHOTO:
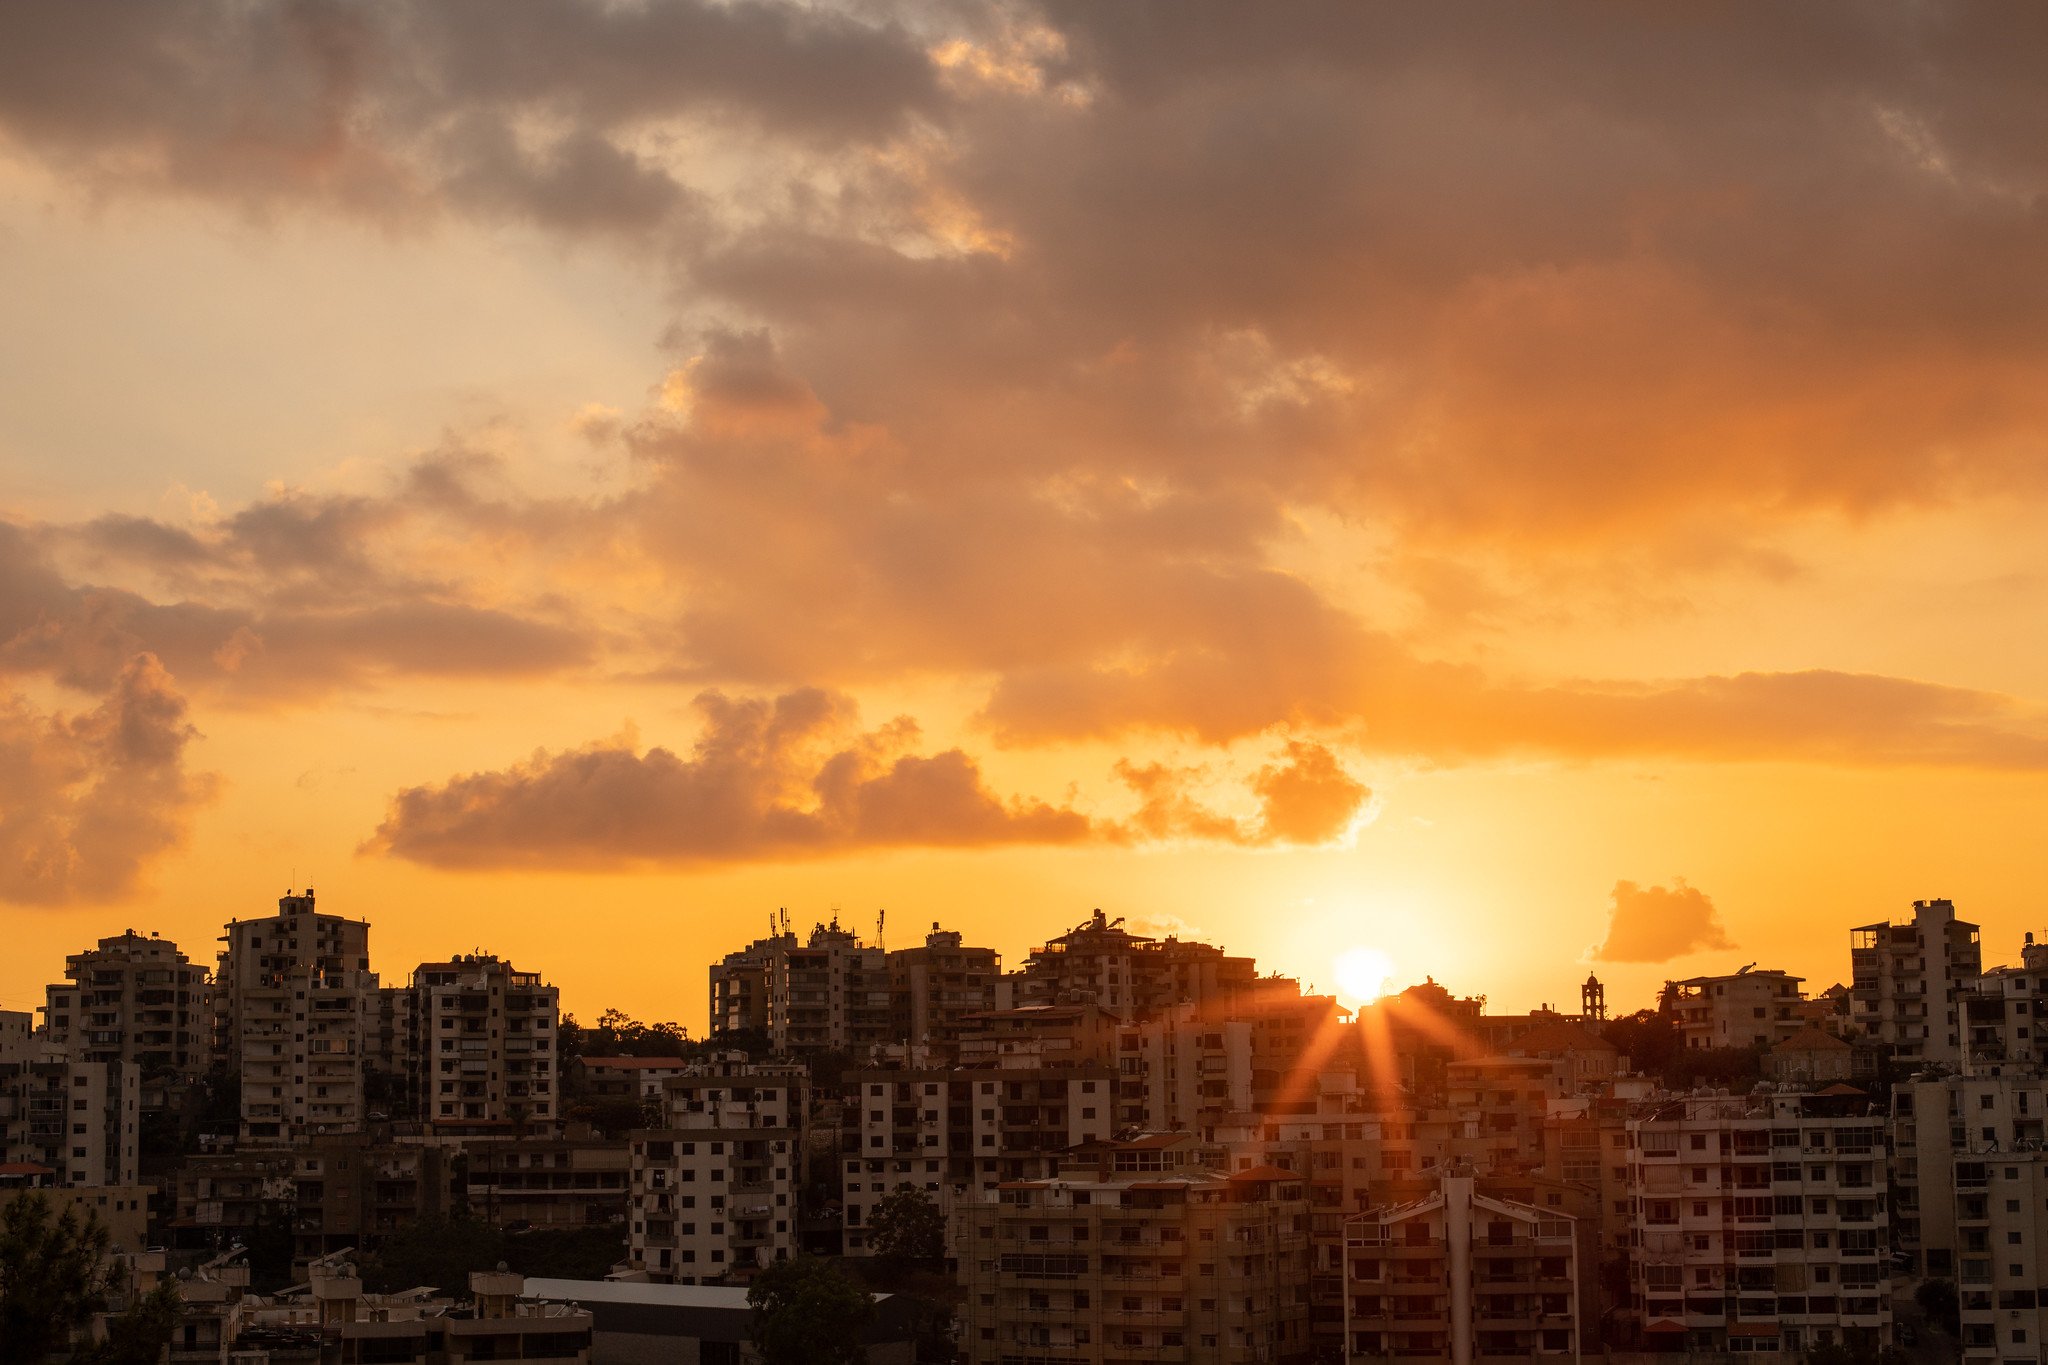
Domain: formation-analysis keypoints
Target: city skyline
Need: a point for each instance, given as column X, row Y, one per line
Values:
column 1345, row 485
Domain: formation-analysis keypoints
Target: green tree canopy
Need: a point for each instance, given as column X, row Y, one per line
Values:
column 807, row 1311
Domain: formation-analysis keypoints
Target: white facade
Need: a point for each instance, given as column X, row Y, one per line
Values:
column 1742, row 1009
column 718, row 1188
column 1761, row 1223
column 79, row 1119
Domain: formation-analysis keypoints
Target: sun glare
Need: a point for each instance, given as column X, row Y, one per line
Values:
column 1363, row 974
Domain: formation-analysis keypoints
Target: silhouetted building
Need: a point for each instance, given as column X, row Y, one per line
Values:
column 1909, row 977
column 294, row 996
column 133, row 999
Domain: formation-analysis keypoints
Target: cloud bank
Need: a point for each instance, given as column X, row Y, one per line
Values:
column 1019, row 344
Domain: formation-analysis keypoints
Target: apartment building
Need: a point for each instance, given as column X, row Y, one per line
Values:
column 1970, row 1202
column 1132, row 1251
column 1030, row 1036
column 76, row 1120
column 628, row 1078
column 1180, row 1071
column 549, row 1182
column 933, row 988
column 1586, row 1167
column 294, row 1001
column 19, row 1040
column 1460, row 1275
column 2004, row 1013
column 1761, row 1222
column 832, row 992
column 136, row 999
column 220, row 1198
column 958, row 1134
column 348, row 1188
column 482, row 1046
column 1507, row 1098
column 829, row 993
column 1340, row 1147
column 1747, row 1008
column 1811, row 1057
column 1908, row 979
column 1127, row 974
column 1937, row 1122
column 717, row 1188
column 739, row 986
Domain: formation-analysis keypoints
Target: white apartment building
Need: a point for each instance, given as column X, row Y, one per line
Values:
column 2004, row 1013
column 1761, row 1222
column 958, row 1134
column 482, row 1045
column 134, row 998
column 718, row 1187
column 1938, row 1122
column 1135, row 1251
column 295, row 1000
column 1459, row 1275
column 1748, row 1008
column 1971, row 1202
column 77, row 1120
column 1908, row 979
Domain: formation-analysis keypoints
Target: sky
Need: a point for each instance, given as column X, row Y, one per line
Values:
column 1519, row 490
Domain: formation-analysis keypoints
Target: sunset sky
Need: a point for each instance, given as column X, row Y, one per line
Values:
column 1521, row 489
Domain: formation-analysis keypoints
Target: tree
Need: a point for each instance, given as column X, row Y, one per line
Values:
column 614, row 1117
column 1942, row 1305
column 1647, row 1038
column 907, row 1227
column 138, row 1336
column 52, row 1273
column 433, row 1251
column 578, row 1253
column 1839, row 1353
column 809, row 1312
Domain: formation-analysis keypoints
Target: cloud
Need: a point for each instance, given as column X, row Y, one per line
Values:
column 767, row 779
column 87, row 802
column 1305, row 799
column 402, row 112
column 1657, row 924
column 1022, row 341
column 1309, row 799
column 295, row 597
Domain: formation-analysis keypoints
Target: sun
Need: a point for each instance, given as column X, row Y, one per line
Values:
column 1363, row 974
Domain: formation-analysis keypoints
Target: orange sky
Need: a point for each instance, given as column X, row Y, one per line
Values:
column 1518, row 495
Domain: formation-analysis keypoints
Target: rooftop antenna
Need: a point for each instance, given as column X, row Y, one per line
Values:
column 880, row 916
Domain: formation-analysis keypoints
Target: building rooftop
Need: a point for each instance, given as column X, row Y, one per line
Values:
column 1811, row 1039
column 728, row 1297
